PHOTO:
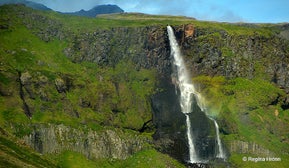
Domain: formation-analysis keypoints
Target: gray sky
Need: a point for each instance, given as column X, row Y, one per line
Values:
column 271, row 11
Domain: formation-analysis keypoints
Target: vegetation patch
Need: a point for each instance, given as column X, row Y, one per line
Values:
column 246, row 108
column 15, row 154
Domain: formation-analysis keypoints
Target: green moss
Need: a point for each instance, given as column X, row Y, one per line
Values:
column 237, row 28
column 4, row 79
column 246, row 107
column 150, row 157
column 69, row 159
column 16, row 155
column 227, row 52
column 141, row 159
column 13, row 115
column 92, row 85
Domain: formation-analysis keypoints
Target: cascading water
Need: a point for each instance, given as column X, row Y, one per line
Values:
column 220, row 153
column 187, row 92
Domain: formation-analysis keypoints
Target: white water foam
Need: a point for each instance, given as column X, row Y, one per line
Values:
column 220, row 153
column 186, row 91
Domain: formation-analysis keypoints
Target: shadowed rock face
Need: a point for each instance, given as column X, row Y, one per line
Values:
column 171, row 126
column 169, row 121
column 203, row 131
column 147, row 47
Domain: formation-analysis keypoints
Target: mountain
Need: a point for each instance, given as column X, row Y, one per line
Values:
column 82, row 92
column 30, row 4
column 100, row 9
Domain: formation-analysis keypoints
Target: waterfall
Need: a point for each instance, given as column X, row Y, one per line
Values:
column 187, row 92
column 220, row 153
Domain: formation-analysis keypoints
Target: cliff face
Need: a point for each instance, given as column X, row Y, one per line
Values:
column 94, row 145
column 120, row 76
column 147, row 47
column 213, row 52
column 249, row 54
column 208, row 51
column 254, row 55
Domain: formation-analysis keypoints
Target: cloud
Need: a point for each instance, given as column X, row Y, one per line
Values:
column 202, row 10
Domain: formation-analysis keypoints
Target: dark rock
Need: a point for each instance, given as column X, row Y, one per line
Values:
column 285, row 103
column 60, row 85
column 25, row 106
column 146, row 47
column 171, row 125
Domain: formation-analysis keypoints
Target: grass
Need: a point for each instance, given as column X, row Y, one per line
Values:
column 79, row 24
column 144, row 19
column 149, row 157
column 246, row 108
column 13, row 154
column 23, row 51
column 70, row 159
column 28, row 52
column 142, row 159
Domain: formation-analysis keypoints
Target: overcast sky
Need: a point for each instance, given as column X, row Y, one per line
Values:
column 269, row 11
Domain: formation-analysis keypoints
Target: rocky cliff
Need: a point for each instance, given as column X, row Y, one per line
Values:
column 145, row 46
column 94, row 145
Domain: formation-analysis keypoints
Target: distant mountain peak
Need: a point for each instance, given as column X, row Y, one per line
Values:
column 30, row 4
column 97, row 10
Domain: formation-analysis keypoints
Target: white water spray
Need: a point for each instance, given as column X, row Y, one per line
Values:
column 220, row 153
column 187, row 91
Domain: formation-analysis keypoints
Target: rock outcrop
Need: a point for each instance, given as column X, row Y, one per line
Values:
column 146, row 47
column 242, row 147
column 94, row 145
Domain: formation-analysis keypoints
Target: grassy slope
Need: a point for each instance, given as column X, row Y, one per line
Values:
column 14, row 153
column 48, row 59
column 142, row 159
column 22, row 51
